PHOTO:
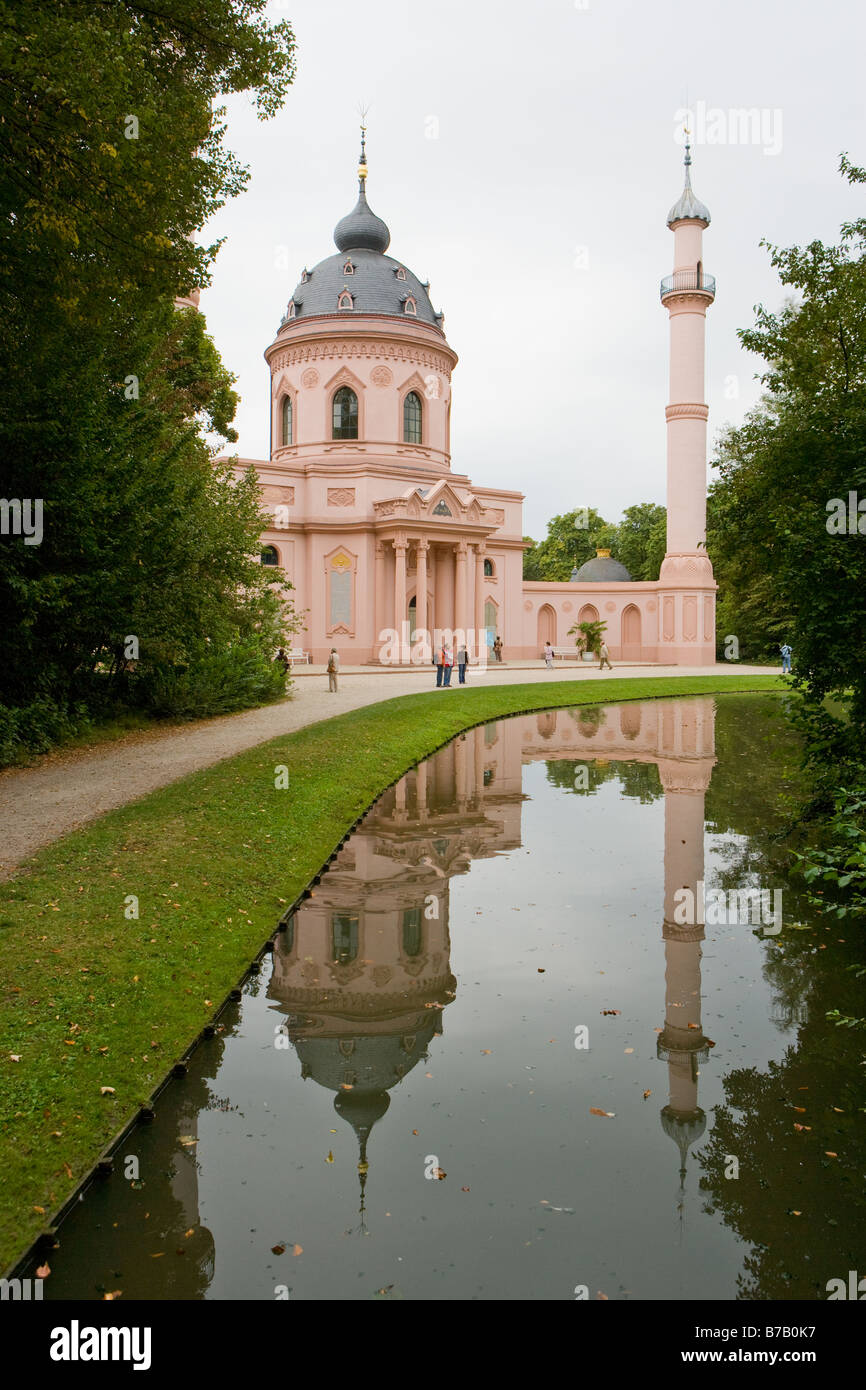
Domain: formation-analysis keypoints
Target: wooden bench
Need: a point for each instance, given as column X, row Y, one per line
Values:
column 563, row 652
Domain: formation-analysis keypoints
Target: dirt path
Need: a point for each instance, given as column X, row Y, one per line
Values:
column 66, row 789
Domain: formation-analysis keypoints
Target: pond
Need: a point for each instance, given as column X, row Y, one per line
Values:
column 497, row 1054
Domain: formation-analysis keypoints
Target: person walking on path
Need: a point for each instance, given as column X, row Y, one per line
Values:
column 548, row 655
column 462, row 662
column 497, row 649
column 333, row 670
column 787, row 653
column 604, row 657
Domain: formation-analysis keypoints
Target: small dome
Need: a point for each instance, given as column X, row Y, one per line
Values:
column 687, row 204
column 601, row 569
column 362, row 228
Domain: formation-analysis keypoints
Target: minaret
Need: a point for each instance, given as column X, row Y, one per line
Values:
column 687, row 589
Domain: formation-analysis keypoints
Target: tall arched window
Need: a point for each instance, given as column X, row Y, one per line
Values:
column 488, row 569
column 345, row 414
column 270, row 556
column 287, row 420
column 412, row 418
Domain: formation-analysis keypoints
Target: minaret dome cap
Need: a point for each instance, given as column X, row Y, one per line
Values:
column 688, row 207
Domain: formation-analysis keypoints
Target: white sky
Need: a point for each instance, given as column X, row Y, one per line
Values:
column 556, row 132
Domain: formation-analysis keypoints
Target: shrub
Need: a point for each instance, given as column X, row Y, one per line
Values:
column 212, row 682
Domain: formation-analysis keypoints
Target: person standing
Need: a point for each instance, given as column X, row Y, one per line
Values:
column 497, row 648
column 548, row 655
column 604, row 657
column 787, row 653
column 439, row 661
column 447, row 663
column 281, row 659
column 333, row 670
column 462, row 662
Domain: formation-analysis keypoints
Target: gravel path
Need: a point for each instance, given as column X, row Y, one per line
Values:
column 66, row 789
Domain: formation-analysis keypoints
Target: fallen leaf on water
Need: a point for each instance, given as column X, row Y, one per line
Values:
column 796, row 1126
column 439, row 1173
column 428, row 1073
column 190, row 1232
column 838, row 1111
column 605, row 1012
column 486, row 1051
column 464, row 1189
column 278, row 1250
column 603, row 1296
column 110, row 1297
column 297, row 1249
column 330, row 1157
column 608, row 1114
column 629, row 1049
column 695, row 1025
column 346, row 1086
column 188, row 1140
column 830, row 1153
column 414, row 1131
column 541, row 969
column 796, row 1213
column 43, row 1271
column 647, row 1093
column 158, row 1256
column 800, row 1109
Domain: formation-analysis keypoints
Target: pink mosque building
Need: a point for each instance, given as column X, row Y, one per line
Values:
column 385, row 545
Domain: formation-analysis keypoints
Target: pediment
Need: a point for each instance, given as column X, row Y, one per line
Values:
column 345, row 377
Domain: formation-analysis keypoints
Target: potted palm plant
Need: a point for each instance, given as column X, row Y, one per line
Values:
column 587, row 638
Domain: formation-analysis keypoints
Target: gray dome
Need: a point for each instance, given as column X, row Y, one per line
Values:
column 687, row 205
column 601, row 569
column 362, row 228
column 373, row 284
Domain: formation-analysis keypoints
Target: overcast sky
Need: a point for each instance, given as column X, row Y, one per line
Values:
column 525, row 157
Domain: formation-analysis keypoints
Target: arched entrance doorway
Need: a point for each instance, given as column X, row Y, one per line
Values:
column 631, row 633
column 546, row 626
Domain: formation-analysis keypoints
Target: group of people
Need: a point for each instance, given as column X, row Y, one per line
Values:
column 603, row 656
column 443, row 660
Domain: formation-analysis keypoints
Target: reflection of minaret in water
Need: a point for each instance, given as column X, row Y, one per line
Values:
column 685, row 768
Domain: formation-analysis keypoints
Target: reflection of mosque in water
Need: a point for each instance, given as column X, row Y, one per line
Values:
column 362, row 971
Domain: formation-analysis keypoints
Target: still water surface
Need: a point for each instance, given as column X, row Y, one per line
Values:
column 492, row 958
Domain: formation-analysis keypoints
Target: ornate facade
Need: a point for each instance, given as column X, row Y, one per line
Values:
column 385, row 546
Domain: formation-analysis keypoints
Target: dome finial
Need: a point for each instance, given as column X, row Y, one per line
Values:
column 362, row 228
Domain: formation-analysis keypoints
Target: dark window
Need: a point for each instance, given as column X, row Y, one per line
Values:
column 412, row 931
column 287, row 420
column 344, row 937
column 488, row 569
column 412, row 418
column 270, row 556
column 441, row 509
column 345, row 414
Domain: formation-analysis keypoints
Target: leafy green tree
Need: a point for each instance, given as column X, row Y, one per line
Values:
column 571, row 540
column 636, row 541
column 114, row 154
column 787, row 472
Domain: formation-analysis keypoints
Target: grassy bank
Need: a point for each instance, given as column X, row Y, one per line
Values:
column 93, row 997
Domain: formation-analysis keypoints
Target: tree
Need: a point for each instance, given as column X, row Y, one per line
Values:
column 114, row 155
column 636, row 544
column 571, row 540
column 788, row 535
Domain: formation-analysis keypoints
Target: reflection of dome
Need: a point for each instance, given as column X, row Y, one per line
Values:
column 685, row 1128
column 367, row 1064
column 601, row 569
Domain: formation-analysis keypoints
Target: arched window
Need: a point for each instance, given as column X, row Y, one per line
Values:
column 270, row 556
column 286, row 420
column 345, row 300
column 488, row 569
column 292, row 309
column 409, row 306
column 344, row 937
column 400, row 272
column 345, row 417
column 412, row 418
column 413, row 931
column 348, row 268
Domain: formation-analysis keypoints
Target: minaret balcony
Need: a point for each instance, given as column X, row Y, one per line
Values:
column 690, row 281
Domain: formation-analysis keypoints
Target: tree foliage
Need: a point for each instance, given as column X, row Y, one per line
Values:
column 114, row 154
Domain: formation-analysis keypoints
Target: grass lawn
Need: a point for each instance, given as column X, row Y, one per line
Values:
column 91, row 998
